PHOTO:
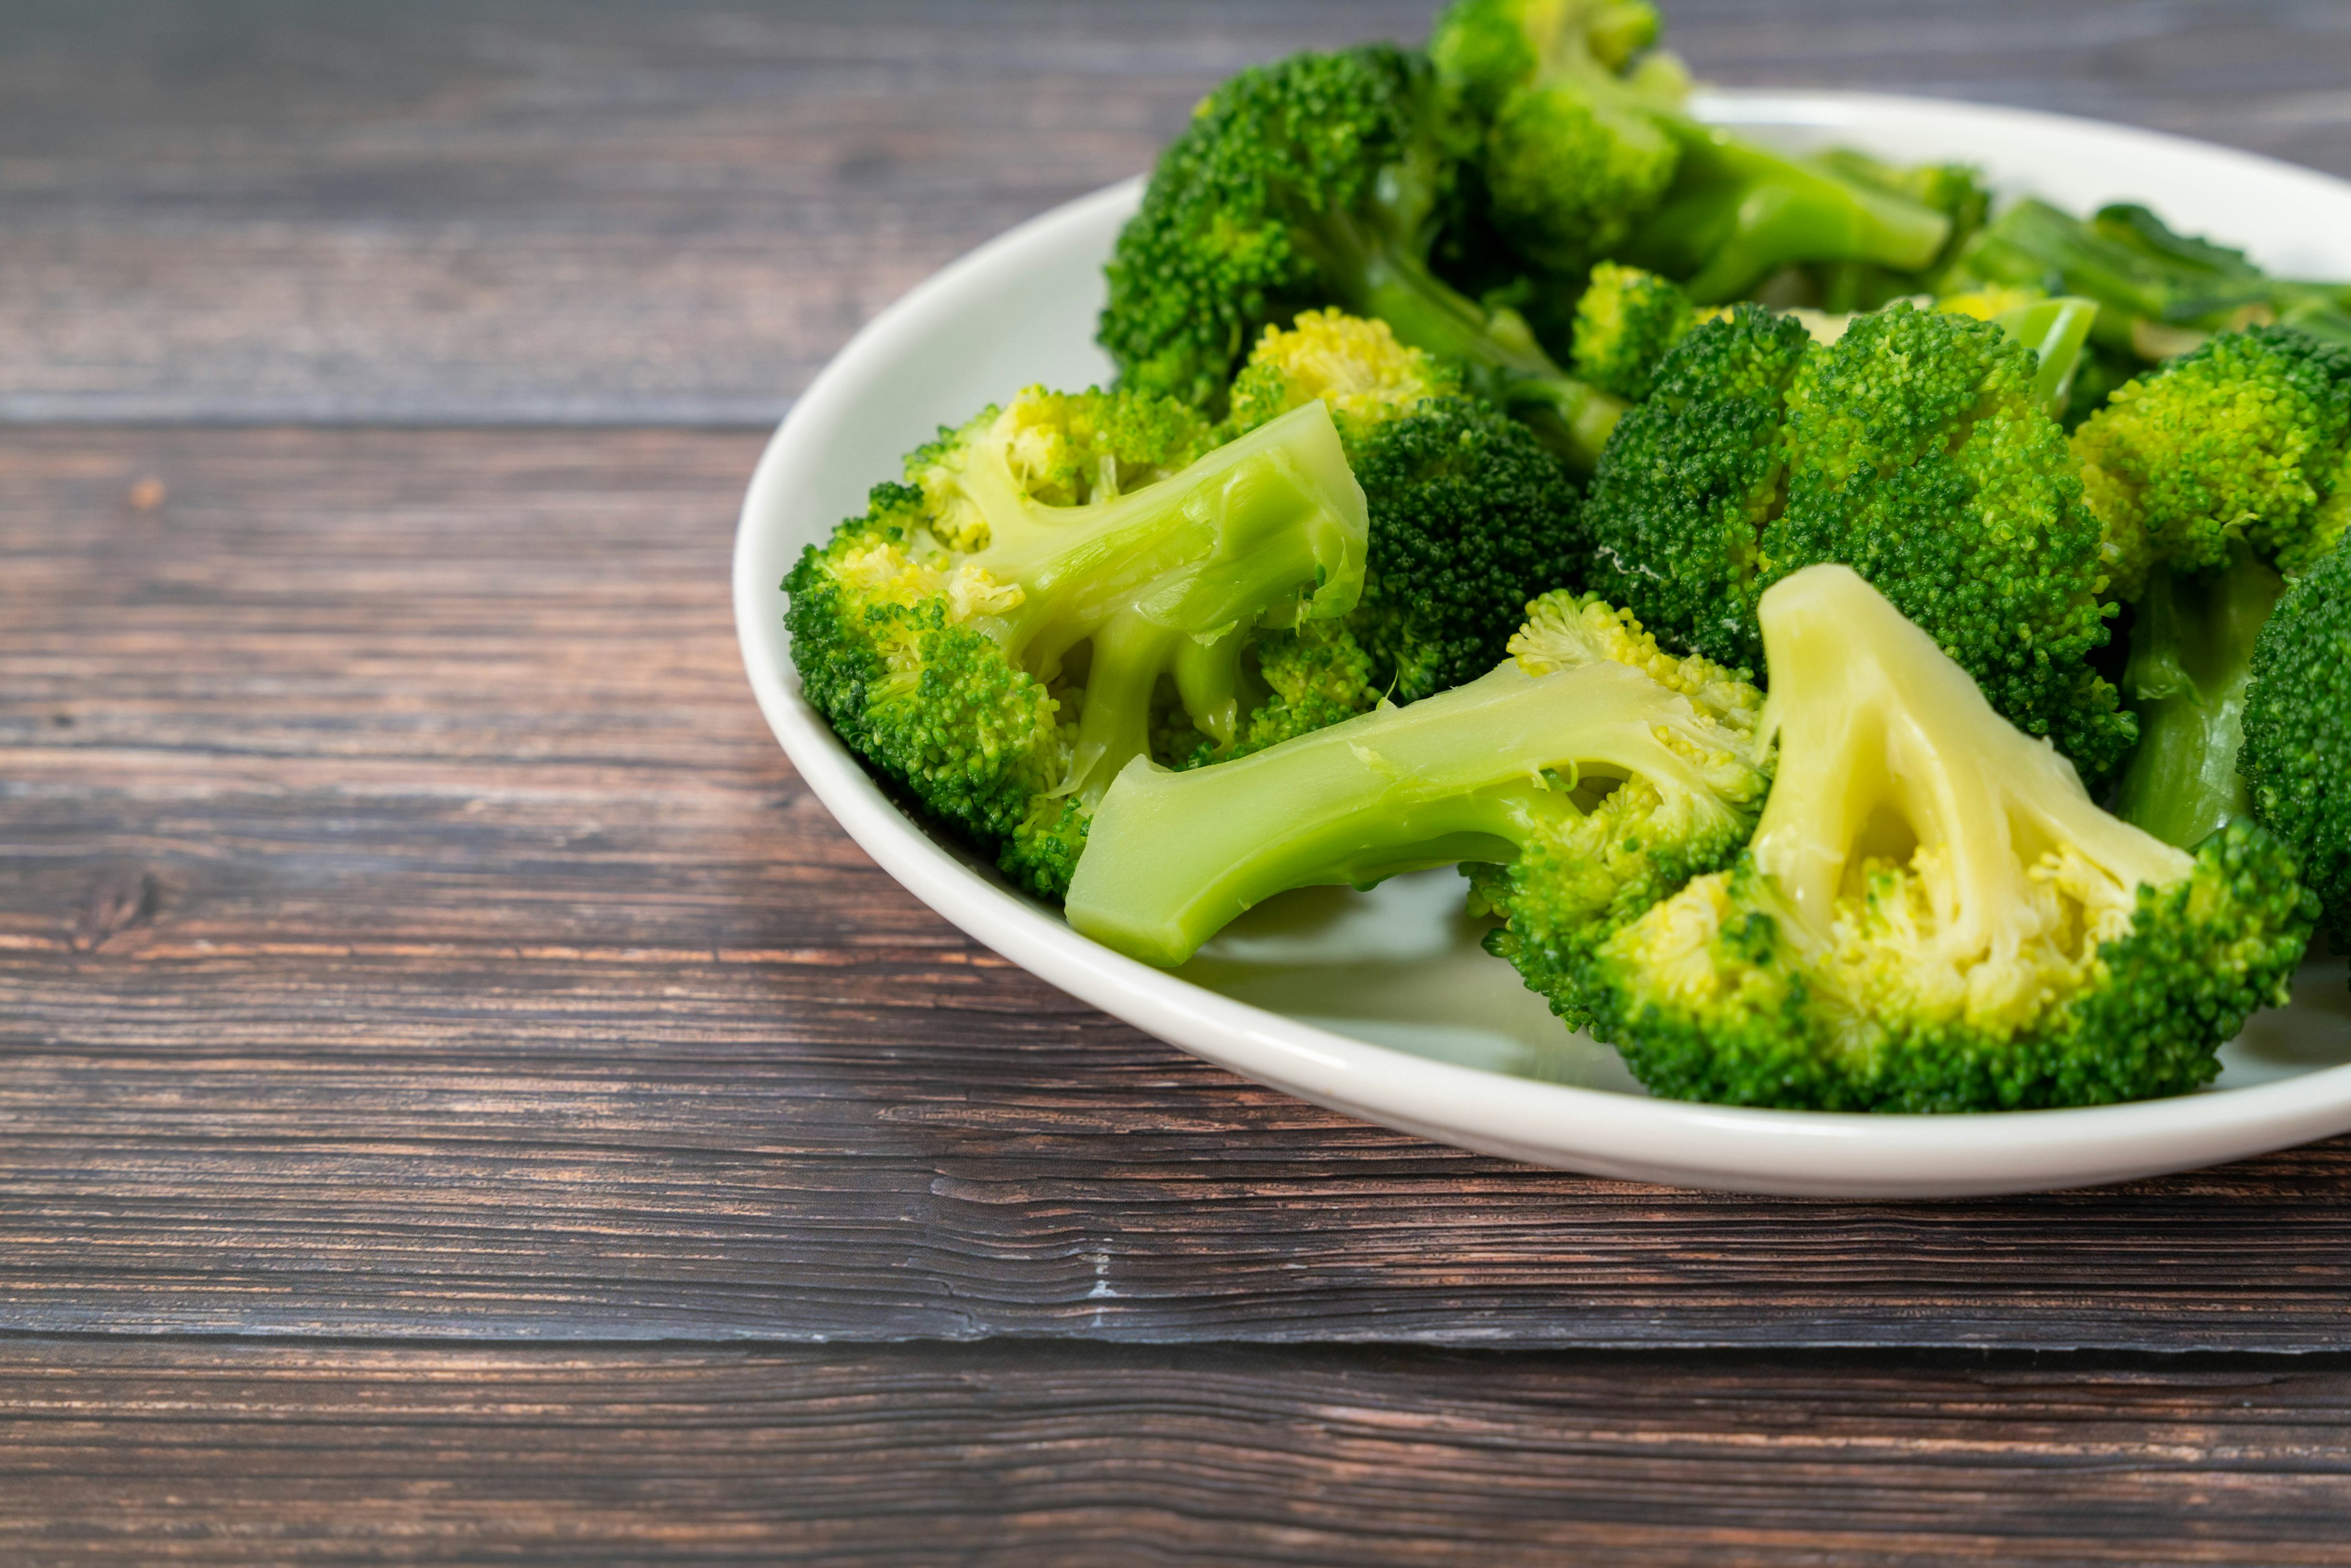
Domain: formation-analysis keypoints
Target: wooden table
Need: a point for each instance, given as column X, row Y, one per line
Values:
column 463, row 1099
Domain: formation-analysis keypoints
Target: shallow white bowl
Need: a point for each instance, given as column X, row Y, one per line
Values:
column 1381, row 1005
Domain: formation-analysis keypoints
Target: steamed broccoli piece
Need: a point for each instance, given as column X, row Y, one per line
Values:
column 2161, row 293
column 2216, row 477
column 2296, row 757
column 1319, row 180
column 1471, row 516
column 1932, row 916
column 1004, row 631
column 1588, row 155
column 1915, row 449
column 1597, row 774
column 1625, row 322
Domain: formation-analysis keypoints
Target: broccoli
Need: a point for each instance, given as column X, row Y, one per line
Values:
column 1917, row 450
column 1001, row 633
column 1471, row 516
column 1932, row 916
column 1954, row 190
column 2296, row 755
column 1596, row 772
column 1319, row 180
column 2216, row 477
column 1588, row 155
column 1625, row 322
column 2162, row 293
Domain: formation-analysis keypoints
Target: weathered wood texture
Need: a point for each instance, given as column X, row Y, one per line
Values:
column 1005, row 1456
column 407, row 925
column 408, row 931
column 585, row 210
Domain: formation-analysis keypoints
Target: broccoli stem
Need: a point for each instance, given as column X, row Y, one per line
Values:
column 2190, row 659
column 1736, row 213
column 1470, row 774
column 2056, row 330
column 1374, row 275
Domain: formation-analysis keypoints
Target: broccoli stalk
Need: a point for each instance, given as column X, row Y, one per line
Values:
column 1002, row 656
column 1601, row 771
column 1932, row 915
column 1737, row 213
column 1318, row 181
column 1587, row 154
column 2191, row 654
column 2162, row 293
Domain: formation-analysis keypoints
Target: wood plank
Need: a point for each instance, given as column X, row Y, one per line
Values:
column 601, row 211
column 408, row 926
column 1034, row 1455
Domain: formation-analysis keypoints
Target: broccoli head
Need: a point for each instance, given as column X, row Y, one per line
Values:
column 2217, row 477
column 1595, row 772
column 1917, row 448
column 1932, row 916
column 1004, row 631
column 1625, row 322
column 1471, row 516
column 2243, row 438
column 1575, row 105
column 1319, row 180
column 2296, row 757
column 1587, row 154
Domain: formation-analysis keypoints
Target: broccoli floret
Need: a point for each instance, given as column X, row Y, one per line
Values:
column 1690, row 480
column 2244, row 438
column 1932, row 916
column 996, row 633
column 1471, row 516
column 1625, row 322
column 2216, row 477
column 1916, row 449
column 1319, row 180
column 1587, row 155
column 2296, row 757
column 1593, row 771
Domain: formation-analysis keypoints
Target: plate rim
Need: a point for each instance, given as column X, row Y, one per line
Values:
column 1678, row 1143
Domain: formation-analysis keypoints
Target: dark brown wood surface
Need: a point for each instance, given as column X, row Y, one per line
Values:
column 462, row 1099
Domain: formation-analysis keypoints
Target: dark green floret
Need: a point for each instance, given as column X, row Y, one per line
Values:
column 1319, row 180
column 1916, row 449
column 1690, row 480
column 1932, row 916
column 1587, row 155
column 2296, row 757
column 1471, row 516
column 1055, row 581
column 2219, row 478
column 1592, row 773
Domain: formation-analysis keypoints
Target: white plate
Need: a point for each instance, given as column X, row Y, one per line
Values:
column 1381, row 1005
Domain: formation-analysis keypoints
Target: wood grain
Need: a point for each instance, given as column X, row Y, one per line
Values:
column 1011, row 1455
column 544, row 210
column 408, row 926
column 461, row 1099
